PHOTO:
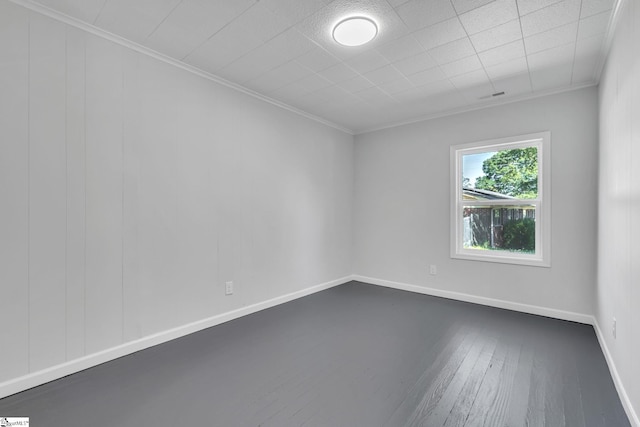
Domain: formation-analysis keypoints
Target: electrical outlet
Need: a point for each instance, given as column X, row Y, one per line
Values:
column 228, row 288
column 614, row 328
column 433, row 270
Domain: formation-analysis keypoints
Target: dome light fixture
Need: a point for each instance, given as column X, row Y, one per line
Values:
column 355, row 31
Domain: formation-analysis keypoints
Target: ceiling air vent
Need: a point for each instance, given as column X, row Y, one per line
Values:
column 493, row 95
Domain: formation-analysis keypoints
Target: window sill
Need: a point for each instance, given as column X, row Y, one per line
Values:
column 503, row 259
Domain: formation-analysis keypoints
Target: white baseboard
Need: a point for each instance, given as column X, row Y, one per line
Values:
column 34, row 379
column 492, row 302
column 622, row 392
column 41, row 377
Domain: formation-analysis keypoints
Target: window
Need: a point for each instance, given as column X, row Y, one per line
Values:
column 500, row 200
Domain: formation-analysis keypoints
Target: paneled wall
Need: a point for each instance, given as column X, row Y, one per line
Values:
column 618, row 292
column 131, row 190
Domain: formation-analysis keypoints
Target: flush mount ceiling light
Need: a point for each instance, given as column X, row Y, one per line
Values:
column 355, row 31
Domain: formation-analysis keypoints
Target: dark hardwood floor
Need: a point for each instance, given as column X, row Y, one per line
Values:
column 354, row 355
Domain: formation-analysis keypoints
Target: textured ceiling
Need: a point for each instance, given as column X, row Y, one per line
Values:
column 430, row 57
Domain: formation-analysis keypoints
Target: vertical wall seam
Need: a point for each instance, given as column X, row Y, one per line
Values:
column 122, row 103
column 29, row 192
column 84, row 237
column 66, row 167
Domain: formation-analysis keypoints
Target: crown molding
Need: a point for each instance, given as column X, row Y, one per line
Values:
column 483, row 106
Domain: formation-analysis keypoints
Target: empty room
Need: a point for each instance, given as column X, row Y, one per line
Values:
column 319, row 213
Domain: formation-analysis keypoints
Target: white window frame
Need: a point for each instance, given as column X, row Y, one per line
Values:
column 542, row 255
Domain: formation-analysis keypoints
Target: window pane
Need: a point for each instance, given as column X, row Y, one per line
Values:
column 500, row 228
column 504, row 174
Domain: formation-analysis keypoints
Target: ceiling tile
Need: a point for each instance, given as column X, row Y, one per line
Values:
column 290, row 93
column 425, row 91
column 311, row 100
column 461, row 66
column 594, row 25
column 192, row 23
column 409, row 95
column 550, row 17
column 290, row 72
column 593, row 7
column 226, row 46
column 356, row 84
column 441, row 33
column 437, row 88
column 489, row 16
column 290, row 43
column 463, row 6
column 293, row 11
column 434, row 104
column 589, row 45
column 416, row 63
column 371, row 94
column 526, row 7
column 552, row 38
column 508, row 68
column 497, row 36
column 503, row 53
column 347, row 106
column 383, row 74
column 134, row 20
column 474, row 78
column 452, row 51
column 427, row 76
column 557, row 76
column 314, row 82
column 418, row 14
column 261, row 22
column 367, row 61
column 279, row 77
column 396, row 86
column 446, row 102
column 375, row 113
column 317, row 59
column 260, row 60
column 338, row 73
column 551, row 58
column 338, row 97
column 401, row 48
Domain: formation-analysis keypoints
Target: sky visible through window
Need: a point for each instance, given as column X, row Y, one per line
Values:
column 472, row 166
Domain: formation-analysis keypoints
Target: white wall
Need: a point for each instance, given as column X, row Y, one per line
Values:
column 401, row 206
column 618, row 289
column 131, row 190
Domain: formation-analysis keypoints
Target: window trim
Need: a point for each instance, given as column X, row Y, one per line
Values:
column 542, row 257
